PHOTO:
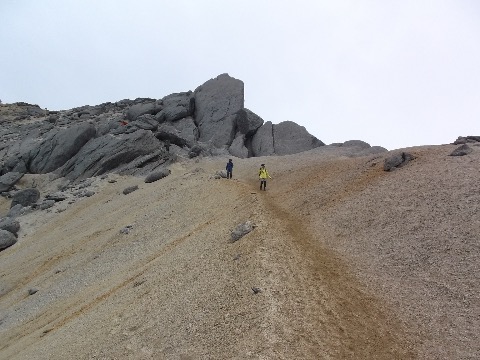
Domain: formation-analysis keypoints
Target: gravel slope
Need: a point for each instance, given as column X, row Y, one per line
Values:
column 351, row 262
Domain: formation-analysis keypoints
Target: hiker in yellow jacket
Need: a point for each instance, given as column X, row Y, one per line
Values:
column 263, row 175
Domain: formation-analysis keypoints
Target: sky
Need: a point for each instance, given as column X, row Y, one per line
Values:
column 392, row 73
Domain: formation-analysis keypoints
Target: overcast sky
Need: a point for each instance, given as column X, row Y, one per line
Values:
column 391, row 73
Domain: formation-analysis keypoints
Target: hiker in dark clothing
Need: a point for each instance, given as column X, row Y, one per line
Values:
column 229, row 168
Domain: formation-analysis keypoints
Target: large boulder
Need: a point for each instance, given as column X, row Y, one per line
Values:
column 397, row 161
column 461, row 150
column 282, row 139
column 167, row 132
column 107, row 153
column 145, row 122
column 248, row 122
column 149, row 107
column 291, row 138
column 25, row 197
column 238, row 147
column 176, row 106
column 7, row 239
column 8, row 180
column 58, row 147
column 216, row 105
column 262, row 141
column 9, row 224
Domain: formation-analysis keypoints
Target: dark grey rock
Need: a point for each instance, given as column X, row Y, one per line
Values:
column 146, row 164
column 8, row 180
column 241, row 230
column 108, row 153
column 467, row 139
column 145, row 122
column 356, row 143
column 157, row 175
column 7, row 239
column 217, row 102
column 182, row 132
column 169, row 133
column 137, row 110
column 58, row 196
column 397, row 160
column 130, row 189
column 262, row 141
column 291, row 138
column 58, row 147
column 238, row 147
column 17, row 210
column 46, row 204
column 176, row 106
column 10, row 225
column 462, row 150
column 248, row 122
column 195, row 151
column 25, row 197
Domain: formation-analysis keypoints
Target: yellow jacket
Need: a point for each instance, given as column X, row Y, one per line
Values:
column 263, row 173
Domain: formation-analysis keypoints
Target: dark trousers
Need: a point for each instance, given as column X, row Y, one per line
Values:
column 229, row 174
column 264, row 183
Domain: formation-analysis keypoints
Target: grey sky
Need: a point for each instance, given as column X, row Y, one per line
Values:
column 392, row 73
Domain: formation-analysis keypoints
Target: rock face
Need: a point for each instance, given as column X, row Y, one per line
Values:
column 262, row 141
column 143, row 135
column 282, row 139
column 290, row 138
column 58, row 147
column 107, row 153
column 216, row 105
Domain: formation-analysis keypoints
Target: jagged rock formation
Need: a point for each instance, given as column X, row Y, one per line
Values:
column 92, row 140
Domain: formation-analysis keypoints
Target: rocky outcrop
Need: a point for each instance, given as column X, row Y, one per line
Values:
column 217, row 103
column 262, row 141
column 291, row 138
column 282, row 139
column 176, row 106
column 467, row 139
column 142, row 135
column 107, row 153
column 58, row 147
column 150, row 106
column 238, row 148
column 396, row 161
column 8, row 180
column 461, row 150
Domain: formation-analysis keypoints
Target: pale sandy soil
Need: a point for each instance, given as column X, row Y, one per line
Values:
column 352, row 263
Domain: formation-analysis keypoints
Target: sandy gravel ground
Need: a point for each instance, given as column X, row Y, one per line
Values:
column 351, row 262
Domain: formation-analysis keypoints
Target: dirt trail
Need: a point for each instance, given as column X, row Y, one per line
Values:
column 317, row 308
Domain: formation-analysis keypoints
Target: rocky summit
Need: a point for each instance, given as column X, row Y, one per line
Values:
column 138, row 136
